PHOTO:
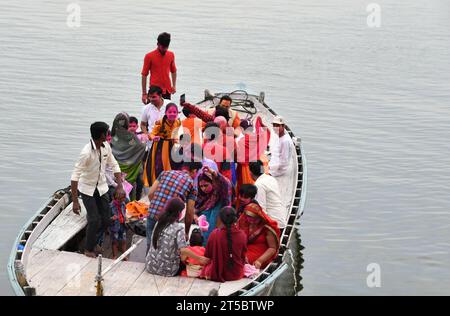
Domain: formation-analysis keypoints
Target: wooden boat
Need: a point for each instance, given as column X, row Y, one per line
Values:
column 44, row 259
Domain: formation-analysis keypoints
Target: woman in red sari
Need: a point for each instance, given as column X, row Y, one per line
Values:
column 226, row 247
column 263, row 234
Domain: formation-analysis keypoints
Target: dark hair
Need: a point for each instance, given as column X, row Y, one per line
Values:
column 256, row 167
column 170, row 215
column 245, row 124
column 196, row 238
column 192, row 165
column 248, row 191
column 225, row 97
column 186, row 111
column 163, row 123
column 98, row 129
column 228, row 217
column 164, row 39
column 222, row 111
column 204, row 177
column 155, row 89
column 133, row 119
column 212, row 129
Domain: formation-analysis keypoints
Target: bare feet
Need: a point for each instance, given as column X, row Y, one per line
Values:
column 98, row 250
column 90, row 254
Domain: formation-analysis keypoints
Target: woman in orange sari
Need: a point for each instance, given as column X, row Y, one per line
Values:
column 250, row 147
column 164, row 136
column 263, row 234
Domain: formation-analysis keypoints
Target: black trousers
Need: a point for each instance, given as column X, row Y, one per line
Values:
column 98, row 217
column 166, row 96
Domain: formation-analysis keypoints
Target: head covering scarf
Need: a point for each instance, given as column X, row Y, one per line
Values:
column 125, row 145
column 220, row 194
column 253, row 209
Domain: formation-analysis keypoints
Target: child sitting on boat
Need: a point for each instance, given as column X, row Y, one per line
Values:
column 194, row 267
column 117, row 228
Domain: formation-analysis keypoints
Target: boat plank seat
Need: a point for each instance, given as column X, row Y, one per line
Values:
column 121, row 278
column 65, row 226
column 145, row 284
column 38, row 260
column 202, row 287
column 83, row 284
column 57, row 272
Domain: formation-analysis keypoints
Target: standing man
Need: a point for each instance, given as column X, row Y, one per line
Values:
column 160, row 63
column 89, row 179
column 282, row 150
column 154, row 110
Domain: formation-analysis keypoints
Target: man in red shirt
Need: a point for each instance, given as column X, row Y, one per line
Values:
column 159, row 63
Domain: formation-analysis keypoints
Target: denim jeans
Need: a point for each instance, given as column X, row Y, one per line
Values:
column 151, row 222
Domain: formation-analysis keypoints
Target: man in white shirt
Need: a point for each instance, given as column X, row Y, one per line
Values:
column 153, row 111
column 268, row 195
column 89, row 179
column 281, row 150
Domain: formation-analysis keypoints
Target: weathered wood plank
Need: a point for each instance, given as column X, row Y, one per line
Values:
column 38, row 260
column 62, row 229
column 145, row 285
column 58, row 273
column 41, row 226
column 160, row 282
column 118, row 281
column 202, row 287
column 177, row 286
column 83, row 284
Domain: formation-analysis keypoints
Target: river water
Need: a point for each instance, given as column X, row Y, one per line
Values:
column 371, row 105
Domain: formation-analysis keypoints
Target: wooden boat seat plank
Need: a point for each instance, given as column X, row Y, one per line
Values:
column 145, row 285
column 119, row 280
column 38, row 260
column 58, row 272
column 83, row 284
column 202, row 287
column 177, row 286
column 62, row 229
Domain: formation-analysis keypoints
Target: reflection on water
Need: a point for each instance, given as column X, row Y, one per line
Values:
column 290, row 282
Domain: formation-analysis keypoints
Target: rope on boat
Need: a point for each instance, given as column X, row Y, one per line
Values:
column 245, row 105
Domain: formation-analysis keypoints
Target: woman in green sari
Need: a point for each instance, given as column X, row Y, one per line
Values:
column 127, row 149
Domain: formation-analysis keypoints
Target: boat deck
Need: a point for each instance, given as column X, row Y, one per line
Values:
column 57, row 273
column 54, row 272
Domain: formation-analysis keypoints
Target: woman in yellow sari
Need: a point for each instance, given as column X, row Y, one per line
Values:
column 164, row 135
